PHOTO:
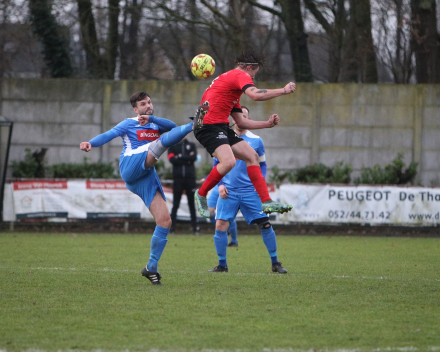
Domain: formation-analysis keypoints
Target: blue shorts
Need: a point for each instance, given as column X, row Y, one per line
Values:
column 248, row 203
column 213, row 196
column 144, row 183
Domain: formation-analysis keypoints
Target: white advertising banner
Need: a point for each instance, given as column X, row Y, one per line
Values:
column 99, row 199
column 389, row 205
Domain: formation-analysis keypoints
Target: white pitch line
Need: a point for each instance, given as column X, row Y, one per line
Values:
column 230, row 273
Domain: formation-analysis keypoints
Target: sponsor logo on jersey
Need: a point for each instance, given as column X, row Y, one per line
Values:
column 148, row 135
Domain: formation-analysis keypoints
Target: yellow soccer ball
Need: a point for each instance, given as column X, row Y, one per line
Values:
column 203, row 66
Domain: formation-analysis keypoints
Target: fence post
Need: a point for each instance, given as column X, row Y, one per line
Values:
column 106, row 119
column 419, row 107
column 316, row 124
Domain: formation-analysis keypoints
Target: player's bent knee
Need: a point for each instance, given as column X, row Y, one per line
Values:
column 163, row 220
column 229, row 164
column 221, row 225
column 263, row 223
column 166, row 223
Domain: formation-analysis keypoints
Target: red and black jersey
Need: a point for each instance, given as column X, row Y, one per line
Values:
column 224, row 95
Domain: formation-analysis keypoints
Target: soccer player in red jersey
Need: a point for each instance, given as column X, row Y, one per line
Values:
column 211, row 128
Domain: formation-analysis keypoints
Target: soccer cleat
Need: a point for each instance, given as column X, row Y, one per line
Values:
column 219, row 269
column 271, row 206
column 152, row 276
column 199, row 115
column 233, row 244
column 202, row 205
column 278, row 268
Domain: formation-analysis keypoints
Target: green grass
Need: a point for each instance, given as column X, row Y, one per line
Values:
column 85, row 292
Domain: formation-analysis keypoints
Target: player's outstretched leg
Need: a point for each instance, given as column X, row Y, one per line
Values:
column 174, row 136
column 221, row 242
column 202, row 204
column 271, row 206
column 268, row 205
column 158, row 243
column 270, row 241
column 232, row 230
column 199, row 115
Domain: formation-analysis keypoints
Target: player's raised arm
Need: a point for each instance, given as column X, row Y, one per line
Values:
column 267, row 94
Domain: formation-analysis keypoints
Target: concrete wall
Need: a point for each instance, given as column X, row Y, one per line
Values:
column 357, row 124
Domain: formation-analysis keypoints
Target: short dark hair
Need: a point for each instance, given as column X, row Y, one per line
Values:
column 245, row 107
column 249, row 57
column 138, row 96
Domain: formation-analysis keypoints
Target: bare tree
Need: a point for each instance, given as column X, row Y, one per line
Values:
column 333, row 18
column 129, row 47
column 99, row 65
column 289, row 11
column 353, row 55
column 360, row 18
column 393, row 33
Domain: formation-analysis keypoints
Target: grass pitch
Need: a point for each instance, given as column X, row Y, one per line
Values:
column 85, row 292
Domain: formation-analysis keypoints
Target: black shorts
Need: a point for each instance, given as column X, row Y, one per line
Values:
column 211, row 136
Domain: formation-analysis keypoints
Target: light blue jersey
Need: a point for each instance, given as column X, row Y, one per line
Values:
column 135, row 137
column 237, row 180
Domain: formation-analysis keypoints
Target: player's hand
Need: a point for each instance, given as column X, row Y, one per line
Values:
column 276, row 119
column 223, row 192
column 289, row 88
column 86, row 146
column 143, row 119
column 273, row 120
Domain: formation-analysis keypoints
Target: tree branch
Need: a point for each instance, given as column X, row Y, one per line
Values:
column 318, row 15
column 265, row 8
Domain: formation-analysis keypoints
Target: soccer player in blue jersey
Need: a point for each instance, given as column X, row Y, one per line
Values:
column 237, row 192
column 144, row 140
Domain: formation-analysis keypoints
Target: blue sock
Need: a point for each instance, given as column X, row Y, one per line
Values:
column 270, row 241
column 212, row 219
column 221, row 244
column 175, row 135
column 158, row 243
column 233, row 231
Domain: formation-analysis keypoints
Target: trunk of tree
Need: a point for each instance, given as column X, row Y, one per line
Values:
column 292, row 18
column 112, row 38
column 366, row 55
column 96, row 67
column 55, row 47
column 129, row 46
column 359, row 52
column 425, row 41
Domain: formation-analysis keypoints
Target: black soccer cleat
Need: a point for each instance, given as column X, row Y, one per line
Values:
column 277, row 268
column 233, row 244
column 152, row 276
column 199, row 115
column 219, row 269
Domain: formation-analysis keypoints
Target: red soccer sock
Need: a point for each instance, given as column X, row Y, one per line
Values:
column 213, row 178
column 254, row 173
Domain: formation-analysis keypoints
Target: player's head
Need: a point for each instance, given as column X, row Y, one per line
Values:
column 245, row 111
column 250, row 62
column 141, row 103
